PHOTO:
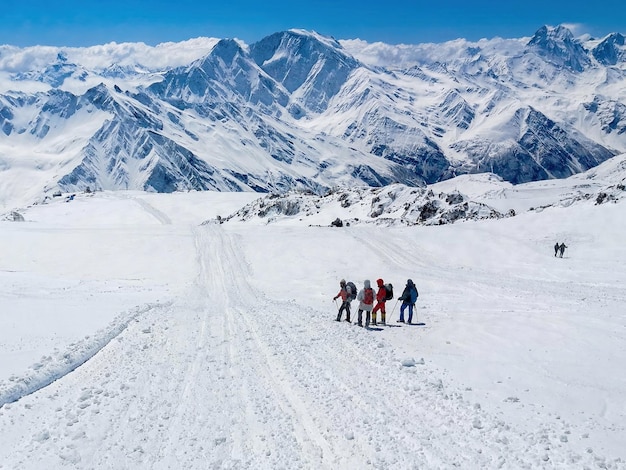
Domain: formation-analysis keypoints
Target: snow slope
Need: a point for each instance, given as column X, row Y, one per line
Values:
column 134, row 337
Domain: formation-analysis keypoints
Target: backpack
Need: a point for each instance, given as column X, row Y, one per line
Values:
column 388, row 291
column 368, row 296
column 351, row 288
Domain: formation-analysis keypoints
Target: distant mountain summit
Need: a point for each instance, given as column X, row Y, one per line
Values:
column 312, row 69
column 559, row 46
column 297, row 110
column 611, row 50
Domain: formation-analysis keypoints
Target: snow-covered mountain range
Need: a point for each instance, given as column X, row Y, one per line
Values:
column 297, row 110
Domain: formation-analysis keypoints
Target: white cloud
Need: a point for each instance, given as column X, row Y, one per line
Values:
column 407, row 55
column 165, row 55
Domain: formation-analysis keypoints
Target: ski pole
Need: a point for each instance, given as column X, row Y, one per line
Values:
column 393, row 309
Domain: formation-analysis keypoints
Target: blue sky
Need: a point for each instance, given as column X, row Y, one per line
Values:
column 73, row 23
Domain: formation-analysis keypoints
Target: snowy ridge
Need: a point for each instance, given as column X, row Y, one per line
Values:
column 392, row 205
column 612, row 171
column 484, row 196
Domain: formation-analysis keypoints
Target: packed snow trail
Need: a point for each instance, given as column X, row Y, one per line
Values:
column 53, row 367
column 226, row 377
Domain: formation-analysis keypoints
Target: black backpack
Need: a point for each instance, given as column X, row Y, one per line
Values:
column 351, row 290
column 388, row 291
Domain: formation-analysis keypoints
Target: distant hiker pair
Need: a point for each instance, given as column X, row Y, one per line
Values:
column 559, row 249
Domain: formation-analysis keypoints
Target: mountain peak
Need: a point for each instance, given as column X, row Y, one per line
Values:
column 227, row 50
column 611, row 50
column 99, row 95
column 294, row 41
column 558, row 45
column 307, row 64
column 559, row 33
column 328, row 41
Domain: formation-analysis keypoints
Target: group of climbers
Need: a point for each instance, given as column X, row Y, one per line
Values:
column 366, row 297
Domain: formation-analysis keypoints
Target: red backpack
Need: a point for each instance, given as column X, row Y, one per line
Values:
column 368, row 296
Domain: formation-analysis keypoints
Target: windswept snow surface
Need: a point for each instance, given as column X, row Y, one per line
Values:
column 133, row 336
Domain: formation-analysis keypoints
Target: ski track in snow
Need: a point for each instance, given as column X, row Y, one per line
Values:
column 162, row 217
column 210, row 382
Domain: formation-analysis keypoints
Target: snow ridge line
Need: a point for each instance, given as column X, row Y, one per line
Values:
column 54, row 367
